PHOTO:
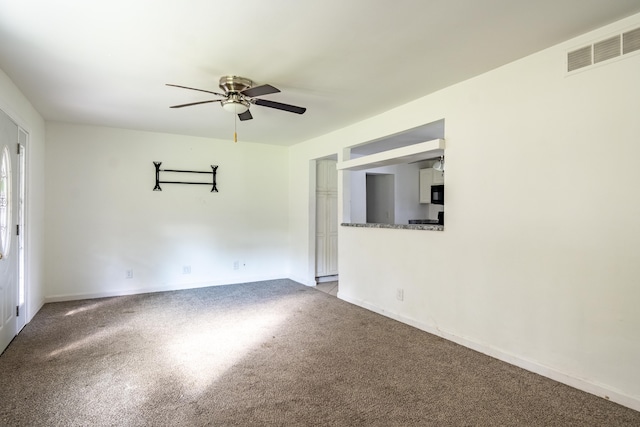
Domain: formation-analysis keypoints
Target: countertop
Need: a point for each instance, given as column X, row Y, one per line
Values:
column 430, row 227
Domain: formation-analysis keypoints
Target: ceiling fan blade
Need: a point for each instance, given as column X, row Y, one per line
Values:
column 195, row 103
column 259, row 91
column 279, row 106
column 200, row 90
column 245, row 116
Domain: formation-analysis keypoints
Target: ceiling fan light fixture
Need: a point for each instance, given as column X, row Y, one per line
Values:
column 235, row 106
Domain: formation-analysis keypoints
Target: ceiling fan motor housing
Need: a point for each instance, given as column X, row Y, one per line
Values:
column 231, row 84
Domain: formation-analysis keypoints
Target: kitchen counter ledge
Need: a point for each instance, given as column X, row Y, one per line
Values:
column 430, row 227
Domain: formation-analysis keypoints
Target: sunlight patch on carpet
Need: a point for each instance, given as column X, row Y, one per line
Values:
column 203, row 356
column 91, row 340
column 84, row 308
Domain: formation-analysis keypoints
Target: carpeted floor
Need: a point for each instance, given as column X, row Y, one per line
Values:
column 268, row 353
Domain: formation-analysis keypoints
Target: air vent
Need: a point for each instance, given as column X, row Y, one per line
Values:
column 579, row 58
column 631, row 41
column 606, row 49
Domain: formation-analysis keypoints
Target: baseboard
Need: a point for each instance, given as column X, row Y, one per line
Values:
column 596, row 389
column 152, row 289
column 303, row 280
column 325, row 279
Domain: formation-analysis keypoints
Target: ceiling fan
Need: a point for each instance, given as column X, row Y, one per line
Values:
column 239, row 94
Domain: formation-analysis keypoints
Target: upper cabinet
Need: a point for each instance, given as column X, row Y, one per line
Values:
column 438, row 177
column 429, row 177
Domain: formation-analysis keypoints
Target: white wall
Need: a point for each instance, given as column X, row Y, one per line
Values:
column 14, row 103
column 407, row 191
column 526, row 269
column 102, row 217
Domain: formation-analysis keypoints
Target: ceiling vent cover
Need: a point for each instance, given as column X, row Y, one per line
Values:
column 631, row 41
column 579, row 58
column 606, row 49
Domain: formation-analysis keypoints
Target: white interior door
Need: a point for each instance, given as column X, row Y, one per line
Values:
column 321, row 235
column 8, row 231
column 326, row 218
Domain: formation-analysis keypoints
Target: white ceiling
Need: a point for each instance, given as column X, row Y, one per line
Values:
column 106, row 63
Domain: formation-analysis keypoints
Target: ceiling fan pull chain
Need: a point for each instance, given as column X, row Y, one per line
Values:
column 235, row 128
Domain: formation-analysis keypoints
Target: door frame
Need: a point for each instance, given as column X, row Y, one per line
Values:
column 23, row 169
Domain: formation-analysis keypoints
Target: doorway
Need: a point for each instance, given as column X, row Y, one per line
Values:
column 380, row 198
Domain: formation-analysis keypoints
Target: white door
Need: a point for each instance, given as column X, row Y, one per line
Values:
column 326, row 218
column 8, row 231
column 321, row 235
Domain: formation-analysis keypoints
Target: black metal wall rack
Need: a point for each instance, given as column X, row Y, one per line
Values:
column 214, row 170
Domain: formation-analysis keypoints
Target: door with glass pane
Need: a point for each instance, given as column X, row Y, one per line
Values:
column 9, row 276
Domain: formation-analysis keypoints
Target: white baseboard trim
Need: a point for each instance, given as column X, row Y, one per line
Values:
column 325, row 279
column 599, row 390
column 151, row 289
column 303, row 280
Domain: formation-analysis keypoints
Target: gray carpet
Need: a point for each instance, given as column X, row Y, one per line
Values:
column 268, row 353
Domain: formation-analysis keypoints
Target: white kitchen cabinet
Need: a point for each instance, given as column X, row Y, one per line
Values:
column 429, row 177
column 438, row 177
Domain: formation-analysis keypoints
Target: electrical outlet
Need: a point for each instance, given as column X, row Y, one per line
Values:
column 400, row 294
column 186, row 269
column 129, row 274
column 236, row 265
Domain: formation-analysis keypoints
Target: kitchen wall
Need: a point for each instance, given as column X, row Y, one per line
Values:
column 103, row 219
column 553, row 290
column 18, row 107
column 406, row 193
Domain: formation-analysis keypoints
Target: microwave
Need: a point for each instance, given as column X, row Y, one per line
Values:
column 437, row 194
